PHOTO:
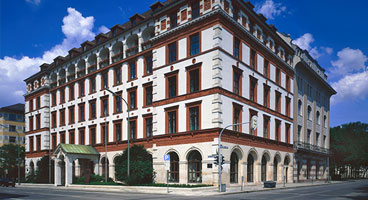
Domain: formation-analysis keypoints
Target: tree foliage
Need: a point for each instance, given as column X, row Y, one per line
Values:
column 41, row 175
column 141, row 168
column 349, row 145
column 9, row 159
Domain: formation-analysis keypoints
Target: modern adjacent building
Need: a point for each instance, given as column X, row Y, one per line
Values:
column 186, row 70
column 12, row 124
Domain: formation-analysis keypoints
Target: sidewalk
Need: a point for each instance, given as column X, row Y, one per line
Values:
column 201, row 191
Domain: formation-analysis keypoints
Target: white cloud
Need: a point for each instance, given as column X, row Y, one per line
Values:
column 328, row 50
column 103, row 29
column 349, row 61
column 351, row 87
column 270, row 9
column 305, row 42
column 35, row 2
column 13, row 71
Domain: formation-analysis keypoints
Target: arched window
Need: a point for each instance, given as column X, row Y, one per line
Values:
column 318, row 118
column 250, row 163
column 275, row 166
column 31, row 165
column 300, row 108
column 325, row 121
column 105, row 171
column 286, row 165
column 309, row 113
column 264, row 169
column 174, row 167
column 194, row 167
column 234, row 160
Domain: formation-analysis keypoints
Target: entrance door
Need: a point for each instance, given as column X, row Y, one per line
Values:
column 62, row 167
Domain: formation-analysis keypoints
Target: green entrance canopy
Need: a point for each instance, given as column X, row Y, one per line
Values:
column 76, row 149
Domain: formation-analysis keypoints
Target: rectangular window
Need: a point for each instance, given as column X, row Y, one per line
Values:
column 287, row 133
column 253, row 89
column 237, row 48
column 104, row 133
column 13, row 128
column 81, row 112
column 195, row 10
column 62, row 95
column 31, row 123
column 92, row 135
column 117, row 74
column 31, row 143
column 194, row 118
column 172, row 52
column 92, row 108
column 92, row 86
column 53, row 96
column 71, row 115
column 105, row 80
column 277, row 132
column 62, row 117
column 149, row 64
column 278, row 76
column 171, row 82
column 287, row 83
column 104, row 107
column 237, row 81
column 299, row 133
column 71, row 92
column 132, row 70
column 81, row 89
column 53, row 119
column 252, row 59
column 309, row 136
column 266, row 126
column 118, row 104
column 148, row 126
column 173, row 20
column 266, row 95
column 287, row 106
column 148, row 95
column 82, row 136
column 12, row 139
column 237, row 115
column 266, row 68
column 207, row 4
column 118, row 132
column 62, row 137
column 194, row 44
column 38, row 141
column 54, row 141
column 71, row 137
column 133, row 129
column 31, row 105
column 194, row 79
column 278, row 102
column 172, row 121
column 38, row 102
column 317, row 139
column 133, row 99
column 38, row 121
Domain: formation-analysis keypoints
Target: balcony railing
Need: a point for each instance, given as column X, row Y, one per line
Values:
column 71, row 77
column 62, row 81
column 303, row 146
column 132, row 51
column 81, row 73
column 146, row 45
column 117, row 57
column 104, row 63
column 92, row 68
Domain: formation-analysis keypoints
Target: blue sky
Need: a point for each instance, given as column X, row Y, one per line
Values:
column 36, row 31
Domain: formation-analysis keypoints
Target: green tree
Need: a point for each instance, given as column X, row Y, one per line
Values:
column 349, row 146
column 9, row 160
column 141, row 168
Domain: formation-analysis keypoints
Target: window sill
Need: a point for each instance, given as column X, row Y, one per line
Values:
column 116, row 113
column 147, row 106
column 130, row 80
column 94, row 92
column 145, row 75
column 117, row 84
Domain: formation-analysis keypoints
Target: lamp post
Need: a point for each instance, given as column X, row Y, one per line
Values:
column 18, row 153
column 105, row 138
column 128, row 136
column 253, row 126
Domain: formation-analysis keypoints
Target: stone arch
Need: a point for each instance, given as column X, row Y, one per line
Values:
column 81, row 68
column 276, row 166
column 105, row 171
column 132, row 41
column 191, row 149
column 265, row 160
column 234, row 167
column 309, row 112
column 254, row 153
column 117, row 52
column 71, row 72
column 318, row 117
column 173, row 150
column 62, row 76
column 287, row 169
column 300, row 107
column 148, row 33
column 238, row 151
column 174, row 166
column 31, row 167
column 104, row 57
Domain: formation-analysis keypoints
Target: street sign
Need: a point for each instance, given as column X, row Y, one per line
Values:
column 253, row 122
column 167, row 161
column 224, row 147
column 212, row 156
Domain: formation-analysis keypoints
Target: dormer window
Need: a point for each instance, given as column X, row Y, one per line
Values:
column 98, row 40
column 114, row 33
column 84, row 48
column 134, row 22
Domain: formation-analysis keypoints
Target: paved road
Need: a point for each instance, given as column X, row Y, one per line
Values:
column 350, row 190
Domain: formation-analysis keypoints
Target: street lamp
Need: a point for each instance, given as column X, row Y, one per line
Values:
column 105, row 137
column 18, row 156
column 253, row 124
column 128, row 126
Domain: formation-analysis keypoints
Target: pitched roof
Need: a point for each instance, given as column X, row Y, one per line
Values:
column 14, row 108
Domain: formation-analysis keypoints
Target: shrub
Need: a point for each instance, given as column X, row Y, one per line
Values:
column 141, row 168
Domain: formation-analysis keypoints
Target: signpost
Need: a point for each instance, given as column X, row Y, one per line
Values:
column 167, row 167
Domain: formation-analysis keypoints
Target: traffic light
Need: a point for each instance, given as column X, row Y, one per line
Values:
column 216, row 160
column 222, row 160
